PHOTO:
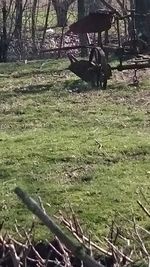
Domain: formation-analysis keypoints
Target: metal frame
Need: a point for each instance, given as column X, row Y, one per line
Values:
column 100, row 66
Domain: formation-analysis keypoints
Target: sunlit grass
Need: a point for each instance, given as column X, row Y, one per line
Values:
column 89, row 148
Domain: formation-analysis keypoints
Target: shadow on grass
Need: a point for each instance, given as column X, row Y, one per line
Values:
column 4, row 173
column 34, row 89
column 20, row 74
column 79, row 86
column 30, row 89
column 2, row 76
column 4, row 96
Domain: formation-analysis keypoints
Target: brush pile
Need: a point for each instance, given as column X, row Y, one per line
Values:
column 122, row 247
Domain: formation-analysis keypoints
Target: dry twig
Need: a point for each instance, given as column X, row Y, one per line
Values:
column 143, row 208
column 118, row 251
column 15, row 258
column 70, row 227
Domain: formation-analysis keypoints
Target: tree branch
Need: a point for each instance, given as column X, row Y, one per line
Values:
column 76, row 249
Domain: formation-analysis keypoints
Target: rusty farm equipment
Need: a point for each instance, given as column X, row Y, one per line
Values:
column 96, row 69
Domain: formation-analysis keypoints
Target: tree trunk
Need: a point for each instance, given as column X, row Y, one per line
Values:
column 46, row 22
column 18, row 20
column 61, row 16
column 82, row 37
column 131, row 4
column 3, row 40
column 143, row 22
column 61, row 8
column 92, row 6
column 34, row 49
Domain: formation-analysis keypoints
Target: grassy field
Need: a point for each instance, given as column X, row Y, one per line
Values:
column 71, row 145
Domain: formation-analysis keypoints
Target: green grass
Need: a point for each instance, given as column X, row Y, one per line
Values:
column 90, row 148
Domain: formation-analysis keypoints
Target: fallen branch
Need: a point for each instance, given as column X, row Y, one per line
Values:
column 76, row 249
